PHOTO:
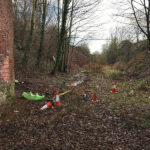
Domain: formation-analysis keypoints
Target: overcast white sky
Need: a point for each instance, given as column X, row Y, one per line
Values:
column 107, row 17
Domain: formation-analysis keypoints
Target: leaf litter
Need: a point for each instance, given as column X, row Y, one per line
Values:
column 106, row 125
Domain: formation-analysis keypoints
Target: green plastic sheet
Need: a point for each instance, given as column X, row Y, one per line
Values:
column 31, row 96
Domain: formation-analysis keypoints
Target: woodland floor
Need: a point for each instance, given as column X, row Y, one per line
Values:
column 119, row 121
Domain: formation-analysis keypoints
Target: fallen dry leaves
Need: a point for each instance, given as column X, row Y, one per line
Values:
column 76, row 125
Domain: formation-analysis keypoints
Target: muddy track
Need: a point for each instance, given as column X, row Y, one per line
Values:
column 76, row 125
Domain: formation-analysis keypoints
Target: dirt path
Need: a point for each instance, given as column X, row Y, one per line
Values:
column 76, row 125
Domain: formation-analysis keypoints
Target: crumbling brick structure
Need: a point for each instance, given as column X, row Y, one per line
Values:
column 6, row 51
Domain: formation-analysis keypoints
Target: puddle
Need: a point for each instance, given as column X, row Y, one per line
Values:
column 75, row 83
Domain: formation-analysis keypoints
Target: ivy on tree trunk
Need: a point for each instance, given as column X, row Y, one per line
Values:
column 39, row 55
column 62, row 36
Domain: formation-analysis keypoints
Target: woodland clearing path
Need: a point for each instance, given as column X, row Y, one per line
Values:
column 75, row 125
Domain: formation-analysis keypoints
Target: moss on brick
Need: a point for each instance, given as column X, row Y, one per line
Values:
column 7, row 92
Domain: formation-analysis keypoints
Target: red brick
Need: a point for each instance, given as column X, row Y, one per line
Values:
column 6, row 41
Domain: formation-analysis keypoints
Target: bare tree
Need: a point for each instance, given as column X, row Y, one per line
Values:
column 58, row 37
column 136, row 14
column 30, row 39
column 39, row 54
column 142, row 7
column 81, row 13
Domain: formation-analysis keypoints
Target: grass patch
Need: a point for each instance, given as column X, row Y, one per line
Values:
column 132, row 103
column 114, row 74
column 143, row 85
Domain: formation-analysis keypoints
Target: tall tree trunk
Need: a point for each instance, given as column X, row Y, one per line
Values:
column 58, row 26
column 62, row 36
column 148, row 41
column 60, row 67
column 16, row 8
column 65, row 61
column 25, row 24
column 30, row 39
column 42, row 32
column 70, row 31
column 58, row 18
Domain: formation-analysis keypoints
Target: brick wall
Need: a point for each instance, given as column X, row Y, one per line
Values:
column 6, row 46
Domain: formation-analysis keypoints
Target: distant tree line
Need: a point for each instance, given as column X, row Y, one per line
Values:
column 134, row 35
column 43, row 30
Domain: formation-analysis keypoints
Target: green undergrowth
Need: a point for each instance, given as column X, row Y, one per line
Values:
column 132, row 100
column 143, row 85
column 114, row 74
